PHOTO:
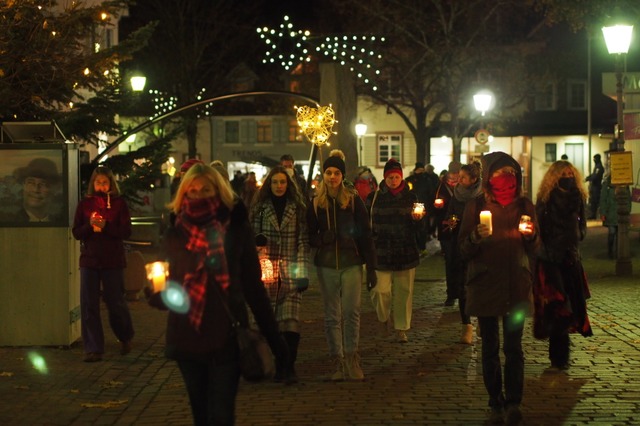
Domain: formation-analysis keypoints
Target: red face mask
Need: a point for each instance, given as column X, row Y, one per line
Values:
column 503, row 187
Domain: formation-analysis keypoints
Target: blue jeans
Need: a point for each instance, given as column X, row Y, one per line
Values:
column 212, row 389
column 512, row 327
column 341, row 293
column 113, row 295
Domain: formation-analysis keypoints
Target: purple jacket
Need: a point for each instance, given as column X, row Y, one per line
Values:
column 102, row 250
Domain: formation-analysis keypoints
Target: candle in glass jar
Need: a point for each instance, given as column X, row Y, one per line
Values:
column 438, row 203
column 485, row 219
column 418, row 208
column 525, row 224
column 157, row 274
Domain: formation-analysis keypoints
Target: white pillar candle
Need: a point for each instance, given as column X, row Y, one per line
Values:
column 485, row 219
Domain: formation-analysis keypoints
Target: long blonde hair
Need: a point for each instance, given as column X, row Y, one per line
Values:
column 221, row 185
column 344, row 197
column 552, row 177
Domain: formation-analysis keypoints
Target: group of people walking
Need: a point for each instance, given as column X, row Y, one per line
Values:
column 523, row 260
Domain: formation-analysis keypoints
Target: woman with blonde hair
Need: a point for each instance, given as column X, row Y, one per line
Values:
column 339, row 229
column 560, row 289
column 212, row 257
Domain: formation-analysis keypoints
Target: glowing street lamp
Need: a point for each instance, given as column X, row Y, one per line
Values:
column 361, row 130
column 483, row 101
column 618, row 38
column 138, row 82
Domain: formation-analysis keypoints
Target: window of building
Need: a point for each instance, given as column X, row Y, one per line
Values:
column 550, row 152
column 576, row 95
column 389, row 146
column 546, row 98
column 294, row 132
column 232, row 132
column 264, row 131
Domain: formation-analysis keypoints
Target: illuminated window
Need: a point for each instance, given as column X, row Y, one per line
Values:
column 264, row 131
column 389, row 146
column 294, row 132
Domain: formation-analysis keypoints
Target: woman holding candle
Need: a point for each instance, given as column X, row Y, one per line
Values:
column 212, row 258
column 339, row 229
column 469, row 188
column 499, row 277
column 561, row 289
column 101, row 223
column 394, row 221
column 444, row 195
column 278, row 217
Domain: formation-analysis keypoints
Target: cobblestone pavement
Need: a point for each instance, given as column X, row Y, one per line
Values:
column 431, row 380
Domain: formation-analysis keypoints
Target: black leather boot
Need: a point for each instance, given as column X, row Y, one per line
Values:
column 293, row 340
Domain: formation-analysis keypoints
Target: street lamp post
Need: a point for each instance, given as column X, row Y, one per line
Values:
column 361, row 130
column 618, row 39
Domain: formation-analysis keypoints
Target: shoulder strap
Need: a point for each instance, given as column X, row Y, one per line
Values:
column 375, row 195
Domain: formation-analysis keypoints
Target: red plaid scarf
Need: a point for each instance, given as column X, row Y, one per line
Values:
column 206, row 239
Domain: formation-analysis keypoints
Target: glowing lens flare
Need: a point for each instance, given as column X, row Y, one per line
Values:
column 175, row 298
column 38, row 362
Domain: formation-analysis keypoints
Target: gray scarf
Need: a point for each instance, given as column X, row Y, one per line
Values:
column 465, row 194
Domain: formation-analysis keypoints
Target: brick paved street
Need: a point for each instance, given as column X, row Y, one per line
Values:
column 432, row 380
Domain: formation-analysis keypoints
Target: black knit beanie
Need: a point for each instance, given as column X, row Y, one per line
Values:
column 334, row 162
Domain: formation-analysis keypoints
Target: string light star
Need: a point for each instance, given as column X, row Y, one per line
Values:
column 289, row 47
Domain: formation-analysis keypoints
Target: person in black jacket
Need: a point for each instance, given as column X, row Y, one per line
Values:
column 469, row 188
column 595, row 186
column 394, row 224
column 339, row 229
column 560, row 288
column 212, row 255
column 444, row 194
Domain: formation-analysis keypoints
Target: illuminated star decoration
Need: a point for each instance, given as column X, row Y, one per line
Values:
column 289, row 47
column 164, row 103
column 316, row 123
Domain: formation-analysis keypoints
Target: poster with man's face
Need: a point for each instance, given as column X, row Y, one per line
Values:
column 31, row 188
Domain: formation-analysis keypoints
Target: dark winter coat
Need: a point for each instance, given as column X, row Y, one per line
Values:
column 102, row 250
column 500, row 267
column 444, row 192
column 394, row 230
column 561, row 290
column 563, row 225
column 342, row 236
column 215, row 338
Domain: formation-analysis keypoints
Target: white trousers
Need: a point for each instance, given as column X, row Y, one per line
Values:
column 399, row 301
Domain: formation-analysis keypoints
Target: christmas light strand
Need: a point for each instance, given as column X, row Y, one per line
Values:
column 289, row 47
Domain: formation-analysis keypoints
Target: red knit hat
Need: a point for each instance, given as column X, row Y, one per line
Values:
column 393, row 166
column 189, row 163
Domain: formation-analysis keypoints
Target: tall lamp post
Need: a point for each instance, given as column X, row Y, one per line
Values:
column 618, row 39
column 361, row 130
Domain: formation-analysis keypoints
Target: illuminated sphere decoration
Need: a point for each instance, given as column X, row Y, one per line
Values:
column 316, row 123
